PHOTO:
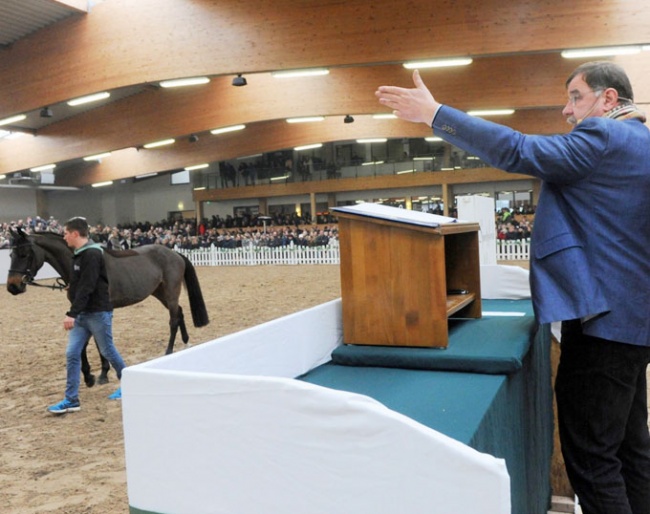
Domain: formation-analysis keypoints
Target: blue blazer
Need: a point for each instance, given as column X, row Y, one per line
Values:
column 590, row 248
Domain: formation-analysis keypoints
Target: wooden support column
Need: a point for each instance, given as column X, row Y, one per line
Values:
column 312, row 205
column 445, row 199
column 537, row 187
column 263, row 206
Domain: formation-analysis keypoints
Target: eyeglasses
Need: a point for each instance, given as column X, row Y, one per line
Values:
column 575, row 97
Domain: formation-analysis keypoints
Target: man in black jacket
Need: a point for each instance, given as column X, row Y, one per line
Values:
column 90, row 314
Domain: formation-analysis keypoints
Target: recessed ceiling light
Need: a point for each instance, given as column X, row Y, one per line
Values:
column 45, row 167
column 102, row 184
column 305, row 119
column 308, row 147
column 491, row 112
column 372, row 140
column 605, row 51
column 13, row 119
column 437, row 63
column 190, row 81
column 384, row 116
column 312, row 72
column 156, row 144
column 97, row 157
column 197, row 167
column 90, row 98
column 223, row 130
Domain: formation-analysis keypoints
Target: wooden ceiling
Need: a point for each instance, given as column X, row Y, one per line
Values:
column 128, row 47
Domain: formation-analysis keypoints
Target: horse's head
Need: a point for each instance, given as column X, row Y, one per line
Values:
column 26, row 260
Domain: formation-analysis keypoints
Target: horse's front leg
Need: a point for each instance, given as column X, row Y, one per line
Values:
column 89, row 378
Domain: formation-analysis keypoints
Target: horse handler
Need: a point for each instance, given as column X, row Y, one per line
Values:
column 90, row 314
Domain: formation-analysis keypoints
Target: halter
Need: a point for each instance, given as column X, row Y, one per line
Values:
column 29, row 276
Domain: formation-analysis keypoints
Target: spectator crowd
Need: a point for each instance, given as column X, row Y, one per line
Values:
column 244, row 230
column 230, row 232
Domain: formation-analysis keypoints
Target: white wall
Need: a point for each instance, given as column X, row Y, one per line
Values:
column 122, row 202
column 16, row 204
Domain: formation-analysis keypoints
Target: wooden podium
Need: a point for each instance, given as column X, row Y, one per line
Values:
column 402, row 280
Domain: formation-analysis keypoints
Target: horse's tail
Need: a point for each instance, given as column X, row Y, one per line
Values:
column 197, row 304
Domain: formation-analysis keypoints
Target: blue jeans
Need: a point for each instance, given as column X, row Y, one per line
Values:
column 100, row 326
column 602, row 404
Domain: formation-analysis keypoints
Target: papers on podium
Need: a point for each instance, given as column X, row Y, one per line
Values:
column 375, row 210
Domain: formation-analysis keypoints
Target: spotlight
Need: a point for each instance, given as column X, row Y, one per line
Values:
column 193, row 138
column 239, row 81
column 46, row 112
column 348, row 119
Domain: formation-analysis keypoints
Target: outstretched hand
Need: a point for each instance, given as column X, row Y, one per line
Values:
column 416, row 104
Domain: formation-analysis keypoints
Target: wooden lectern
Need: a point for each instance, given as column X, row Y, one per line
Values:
column 402, row 278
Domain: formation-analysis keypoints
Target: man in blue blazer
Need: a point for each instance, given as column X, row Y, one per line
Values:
column 590, row 267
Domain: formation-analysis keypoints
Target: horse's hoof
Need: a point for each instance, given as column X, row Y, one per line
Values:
column 90, row 380
column 102, row 380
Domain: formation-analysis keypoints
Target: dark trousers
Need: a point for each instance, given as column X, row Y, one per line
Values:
column 601, row 394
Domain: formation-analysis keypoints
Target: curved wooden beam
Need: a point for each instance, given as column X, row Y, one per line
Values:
column 122, row 42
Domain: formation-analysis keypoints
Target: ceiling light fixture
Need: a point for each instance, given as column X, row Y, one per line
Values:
column 239, row 81
column 156, row 144
column 97, row 157
column 372, row 140
column 491, row 112
column 438, row 63
column 348, row 119
column 190, row 81
column 90, row 98
column 196, row 167
column 2, row 177
column 46, row 112
column 102, row 184
column 305, row 119
column 45, row 167
column 223, row 130
column 147, row 175
column 311, row 72
column 433, row 139
column 384, row 116
column 370, row 163
column 605, row 51
column 308, row 147
column 13, row 119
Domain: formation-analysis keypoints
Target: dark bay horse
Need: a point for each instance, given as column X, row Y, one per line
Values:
column 133, row 275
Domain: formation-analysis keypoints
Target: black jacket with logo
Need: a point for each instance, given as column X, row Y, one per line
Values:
column 88, row 290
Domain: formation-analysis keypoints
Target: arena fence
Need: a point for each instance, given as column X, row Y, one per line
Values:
column 294, row 255
column 516, row 250
column 259, row 256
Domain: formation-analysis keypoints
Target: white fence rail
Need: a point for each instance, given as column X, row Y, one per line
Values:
column 517, row 250
column 260, row 256
column 294, row 255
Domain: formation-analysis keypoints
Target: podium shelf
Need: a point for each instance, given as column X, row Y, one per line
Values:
column 456, row 302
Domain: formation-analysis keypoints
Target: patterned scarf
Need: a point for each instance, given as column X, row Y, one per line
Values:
column 626, row 112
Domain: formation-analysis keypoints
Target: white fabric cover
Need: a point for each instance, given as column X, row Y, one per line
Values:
column 223, row 428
